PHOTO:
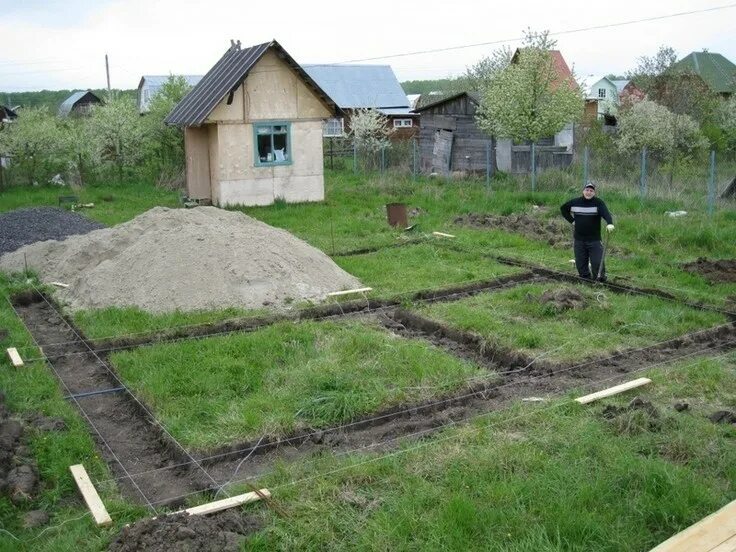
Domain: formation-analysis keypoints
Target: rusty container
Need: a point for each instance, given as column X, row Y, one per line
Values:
column 397, row 215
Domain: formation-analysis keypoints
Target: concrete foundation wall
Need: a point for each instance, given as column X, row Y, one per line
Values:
column 503, row 154
column 196, row 150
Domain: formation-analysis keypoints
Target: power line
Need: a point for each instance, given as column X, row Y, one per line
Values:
column 557, row 33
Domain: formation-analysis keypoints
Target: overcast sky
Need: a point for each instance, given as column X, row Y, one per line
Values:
column 55, row 44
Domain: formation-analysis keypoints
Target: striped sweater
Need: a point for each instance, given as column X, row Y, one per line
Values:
column 587, row 214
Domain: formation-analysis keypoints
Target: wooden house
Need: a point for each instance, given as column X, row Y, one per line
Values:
column 449, row 137
column 253, row 129
column 80, row 104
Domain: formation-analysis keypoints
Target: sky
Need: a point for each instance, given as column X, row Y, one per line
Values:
column 62, row 45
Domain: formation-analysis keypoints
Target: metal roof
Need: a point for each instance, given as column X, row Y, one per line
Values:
column 360, row 86
column 156, row 81
column 716, row 70
column 67, row 105
column 225, row 76
column 433, row 100
column 620, row 84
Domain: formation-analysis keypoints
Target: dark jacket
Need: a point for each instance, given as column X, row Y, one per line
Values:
column 587, row 214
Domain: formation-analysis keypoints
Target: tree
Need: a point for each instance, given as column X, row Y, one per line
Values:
column 33, row 142
column 664, row 133
column 648, row 68
column 164, row 144
column 526, row 100
column 477, row 77
column 370, row 130
column 116, row 133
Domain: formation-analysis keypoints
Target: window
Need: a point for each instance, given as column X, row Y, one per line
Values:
column 402, row 123
column 333, row 127
column 272, row 144
column 601, row 93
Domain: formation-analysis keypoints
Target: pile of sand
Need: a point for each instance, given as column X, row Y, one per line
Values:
column 186, row 259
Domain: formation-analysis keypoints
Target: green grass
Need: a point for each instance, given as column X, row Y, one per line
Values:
column 553, row 478
column 516, row 318
column 284, row 377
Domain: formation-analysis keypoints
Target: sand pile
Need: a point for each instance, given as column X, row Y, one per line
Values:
column 186, row 259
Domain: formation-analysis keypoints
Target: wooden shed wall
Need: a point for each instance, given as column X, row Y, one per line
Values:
column 469, row 142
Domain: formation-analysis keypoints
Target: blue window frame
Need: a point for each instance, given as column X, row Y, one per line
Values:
column 272, row 143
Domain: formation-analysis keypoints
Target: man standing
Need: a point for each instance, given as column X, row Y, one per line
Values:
column 585, row 214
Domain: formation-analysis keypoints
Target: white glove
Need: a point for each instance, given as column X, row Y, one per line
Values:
column 609, row 228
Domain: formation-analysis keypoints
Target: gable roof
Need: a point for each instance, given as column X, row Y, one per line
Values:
column 716, row 71
column 360, row 86
column 620, row 84
column 225, row 76
column 438, row 99
column 590, row 83
column 67, row 105
column 562, row 70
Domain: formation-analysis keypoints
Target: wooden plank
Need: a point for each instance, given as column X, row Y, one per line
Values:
column 14, row 357
column 443, row 235
column 59, row 284
column 89, row 493
column 349, row 291
column 226, row 503
column 708, row 535
column 613, row 390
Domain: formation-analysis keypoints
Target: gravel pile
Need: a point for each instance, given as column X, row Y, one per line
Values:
column 184, row 259
column 24, row 226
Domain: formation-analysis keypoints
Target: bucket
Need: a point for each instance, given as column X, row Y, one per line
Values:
column 397, row 215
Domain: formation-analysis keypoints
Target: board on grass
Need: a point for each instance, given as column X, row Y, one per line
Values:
column 715, row 533
column 89, row 493
column 15, row 359
column 225, row 503
column 613, row 390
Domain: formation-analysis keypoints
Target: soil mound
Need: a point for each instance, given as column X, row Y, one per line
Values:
column 25, row 226
column 563, row 299
column 714, row 271
column 555, row 232
column 221, row 532
column 185, row 259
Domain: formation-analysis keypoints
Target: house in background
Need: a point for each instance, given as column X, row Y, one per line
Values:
column 7, row 114
column 716, row 71
column 79, row 104
column 367, row 86
column 149, row 85
column 603, row 97
column 449, row 137
column 253, row 129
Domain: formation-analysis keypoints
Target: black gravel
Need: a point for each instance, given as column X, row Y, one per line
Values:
column 25, row 226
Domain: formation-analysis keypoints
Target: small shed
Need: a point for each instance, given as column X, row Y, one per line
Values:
column 149, row 86
column 449, row 137
column 80, row 103
column 7, row 114
column 253, row 129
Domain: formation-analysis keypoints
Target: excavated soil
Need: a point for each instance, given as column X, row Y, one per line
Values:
column 555, row 232
column 220, row 532
column 186, row 259
column 563, row 299
column 18, row 472
column 716, row 272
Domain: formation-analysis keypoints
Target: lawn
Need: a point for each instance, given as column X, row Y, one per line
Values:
column 288, row 376
column 518, row 318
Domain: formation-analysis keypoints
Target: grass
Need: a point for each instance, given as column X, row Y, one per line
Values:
column 556, row 478
column 516, row 318
column 284, row 377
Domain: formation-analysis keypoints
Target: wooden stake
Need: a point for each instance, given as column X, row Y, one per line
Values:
column 14, row 357
column 89, row 493
column 225, row 503
column 443, row 235
column 349, row 291
column 613, row 390
column 59, row 284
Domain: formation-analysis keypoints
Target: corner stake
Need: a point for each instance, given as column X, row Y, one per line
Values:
column 225, row 503
column 89, row 493
column 613, row 390
column 15, row 359
column 443, row 235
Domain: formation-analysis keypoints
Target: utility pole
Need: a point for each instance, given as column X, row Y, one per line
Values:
column 107, row 70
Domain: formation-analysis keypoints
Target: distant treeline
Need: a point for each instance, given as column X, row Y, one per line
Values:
column 427, row 86
column 51, row 99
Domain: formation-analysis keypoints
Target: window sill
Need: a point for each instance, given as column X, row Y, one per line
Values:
column 272, row 163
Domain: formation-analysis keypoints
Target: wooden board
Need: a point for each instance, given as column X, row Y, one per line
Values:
column 613, row 390
column 715, row 533
column 443, row 235
column 349, row 291
column 225, row 503
column 14, row 357
column 89, row 493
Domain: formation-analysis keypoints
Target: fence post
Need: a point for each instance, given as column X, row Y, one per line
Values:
column 643, row 176
column 534, row 168
column 355, row 158
column 712, row 183
column 586, row 154
column 414, row 158
column 488, row 165
column 383, row 158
